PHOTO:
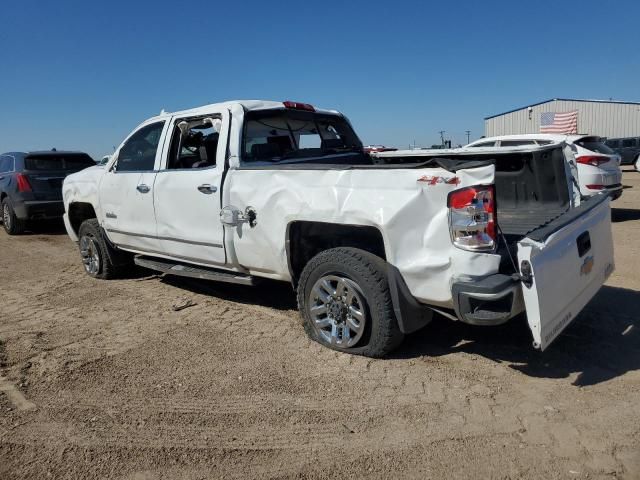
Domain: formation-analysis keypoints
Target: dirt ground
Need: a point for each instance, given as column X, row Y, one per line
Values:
column 104, row 380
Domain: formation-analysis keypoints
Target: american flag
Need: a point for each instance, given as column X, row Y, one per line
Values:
column 565, row 122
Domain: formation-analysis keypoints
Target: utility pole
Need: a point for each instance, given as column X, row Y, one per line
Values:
column 468, row 132
column 442, row 137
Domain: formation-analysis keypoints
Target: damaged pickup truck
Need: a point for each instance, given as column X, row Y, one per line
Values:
column 245, row 190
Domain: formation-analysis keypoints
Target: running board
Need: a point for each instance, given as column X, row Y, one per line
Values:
column 204, row 273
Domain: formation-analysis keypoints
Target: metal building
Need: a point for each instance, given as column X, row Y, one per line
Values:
column 606, row 118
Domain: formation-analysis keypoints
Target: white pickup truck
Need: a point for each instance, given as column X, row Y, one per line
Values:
column 245, row 190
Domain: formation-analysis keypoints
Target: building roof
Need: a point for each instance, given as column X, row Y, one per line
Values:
column 562, row 99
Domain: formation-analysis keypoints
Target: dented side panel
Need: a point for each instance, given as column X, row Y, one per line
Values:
column 411, row 215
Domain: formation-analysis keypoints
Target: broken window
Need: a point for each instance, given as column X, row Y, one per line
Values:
column 194, row 143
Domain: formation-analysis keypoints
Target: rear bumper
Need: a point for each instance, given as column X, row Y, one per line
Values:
column 489, row 301
column 39, row 209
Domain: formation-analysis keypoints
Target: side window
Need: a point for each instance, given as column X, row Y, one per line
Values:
column 194, row 143
column 516, row 143
column 628, row 142
column 544, row 142
column 6, row 164
column 484, row 144
column 139, row 152
column 611, row 143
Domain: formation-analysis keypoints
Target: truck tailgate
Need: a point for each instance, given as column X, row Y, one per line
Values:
column 563, row 265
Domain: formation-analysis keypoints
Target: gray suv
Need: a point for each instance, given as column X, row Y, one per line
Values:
column 628, row 148
column 31, row 185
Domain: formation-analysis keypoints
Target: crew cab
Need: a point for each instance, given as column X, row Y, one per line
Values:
column 248, row 190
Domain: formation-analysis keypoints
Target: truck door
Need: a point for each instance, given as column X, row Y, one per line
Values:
column 126, row 190
column 188, row 188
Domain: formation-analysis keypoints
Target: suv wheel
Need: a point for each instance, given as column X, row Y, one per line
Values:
column 637, row 163
column 11, row 223
column 345, row 302
column 100, row 259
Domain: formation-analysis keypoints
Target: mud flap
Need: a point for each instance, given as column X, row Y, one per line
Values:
column 563, row 265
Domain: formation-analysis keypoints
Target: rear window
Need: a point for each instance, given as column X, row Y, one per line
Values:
column 298, row 136
column 516, row 143
column 58, row 162
column 595, row 144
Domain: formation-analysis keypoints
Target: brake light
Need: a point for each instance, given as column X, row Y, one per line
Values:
column 23, row 183
column 595, row 187
column 299, row 106
column 472, row 218
column 594, row 160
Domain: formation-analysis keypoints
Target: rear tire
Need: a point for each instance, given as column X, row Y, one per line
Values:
column 11, row 223
column 345, row 303
column 637, row 164
column 99, row 258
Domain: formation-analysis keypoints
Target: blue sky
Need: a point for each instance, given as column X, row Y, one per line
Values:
column 81, row 75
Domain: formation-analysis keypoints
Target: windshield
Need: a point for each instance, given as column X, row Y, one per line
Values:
column 595, row 144
column 291, row 136
column 67, row 162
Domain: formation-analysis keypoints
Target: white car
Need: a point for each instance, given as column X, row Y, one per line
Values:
column 244, row 190
column 598, row 165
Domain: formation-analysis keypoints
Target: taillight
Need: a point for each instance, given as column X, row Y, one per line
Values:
column 23, row 183
column 595, row 186
column 472, row 218
column 299, row 106
column 594, row 160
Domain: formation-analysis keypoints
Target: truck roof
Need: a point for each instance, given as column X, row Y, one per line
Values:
column 247, row 105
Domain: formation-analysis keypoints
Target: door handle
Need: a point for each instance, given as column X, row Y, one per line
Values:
column 208, row 189
column 142, row 188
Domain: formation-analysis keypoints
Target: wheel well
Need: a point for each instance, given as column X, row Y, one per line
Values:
column 2, row 195
column 78, row 213
column 306, row 239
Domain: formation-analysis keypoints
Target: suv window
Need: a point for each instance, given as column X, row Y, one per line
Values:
column 516, row 143
column 484, row 144
column 67, row 162
column 611, row 143
column 628, row 142
column 194, row 143
column 139, row 152
column 6, row 164
column 595, row 144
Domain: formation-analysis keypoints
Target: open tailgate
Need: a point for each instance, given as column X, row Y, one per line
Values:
column 563, row 265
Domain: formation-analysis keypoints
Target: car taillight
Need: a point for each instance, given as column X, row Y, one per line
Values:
column 23, row 183
column 595, row 186
column 299, row 106
column 594, row 160
column 472, row 218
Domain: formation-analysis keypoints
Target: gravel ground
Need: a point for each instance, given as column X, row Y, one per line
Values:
column 104, row 380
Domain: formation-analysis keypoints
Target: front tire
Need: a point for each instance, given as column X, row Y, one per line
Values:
column 100, row 260
column 11, row 223
column 345, row 303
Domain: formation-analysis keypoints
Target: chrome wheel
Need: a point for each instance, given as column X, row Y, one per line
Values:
column 338, row 311
column 90, row 254
column 6, row 216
